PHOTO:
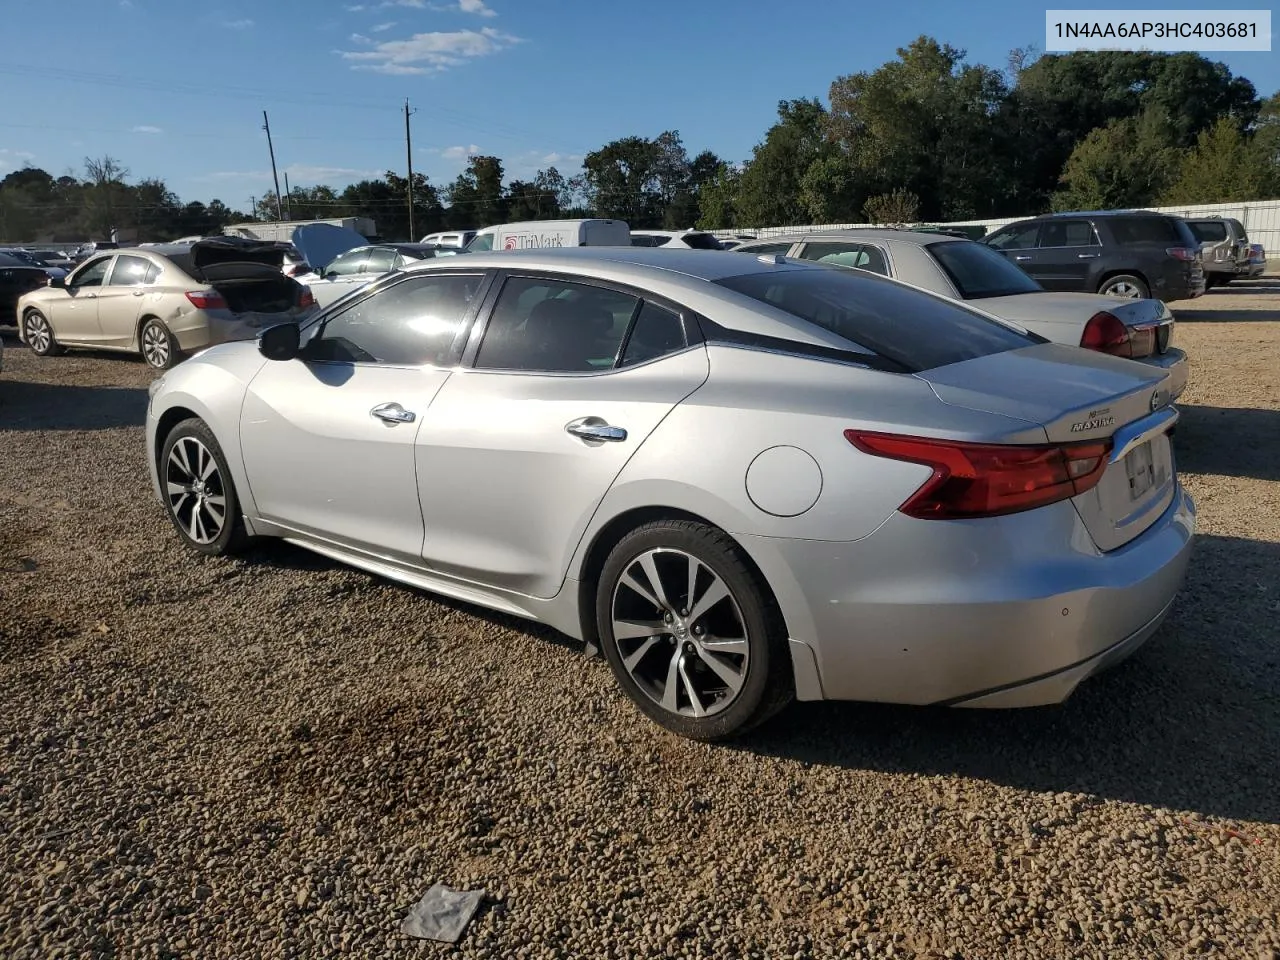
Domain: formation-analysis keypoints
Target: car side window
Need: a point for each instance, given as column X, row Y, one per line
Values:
column 347, row 264
column 410, row 323
column 153, row 273
column 656, row 332
column 129, row 272
column 1068, row 233
column 555, row 326
column 380, row 261
column 1015, row 238
column 93, row 273
column 481, row 243
column 763, row 248
column 861, row 256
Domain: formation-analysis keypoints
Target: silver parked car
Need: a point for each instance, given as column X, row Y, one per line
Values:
column 746, row 479
column 964, row 270
column 165, row 301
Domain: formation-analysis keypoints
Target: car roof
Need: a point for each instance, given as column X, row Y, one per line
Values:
column 916, row 237
column 624, row 262
column 409, row 247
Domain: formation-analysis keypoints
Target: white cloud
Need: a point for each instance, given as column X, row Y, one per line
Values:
column 382, row 26
column 299, row 173
column 475, row 6
column 360, row 38
column 354, row 8
column 12, row 159
column 146, row 128
column 459, row 153
column 430, row 52
column 237, row 24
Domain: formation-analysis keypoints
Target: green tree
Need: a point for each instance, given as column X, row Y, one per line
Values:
column 622, row 178
column 898, row 206
column 769, row 190
column 717, row 199
column 476, row 197
column 1224, row 166
column 1127, row 163
column 105, row 194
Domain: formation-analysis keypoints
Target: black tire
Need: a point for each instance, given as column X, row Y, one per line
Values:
column 768, row 684
column 1121, row 281
column 182, row 508
column 33, row 324
column 156, row 344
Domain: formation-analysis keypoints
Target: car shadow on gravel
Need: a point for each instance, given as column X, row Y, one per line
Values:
column 1190, row 722
column 1214, row 314
column 45, row 406
column 1228, row 441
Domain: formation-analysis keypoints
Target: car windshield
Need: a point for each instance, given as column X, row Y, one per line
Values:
column 915, row 330
column 979, row 272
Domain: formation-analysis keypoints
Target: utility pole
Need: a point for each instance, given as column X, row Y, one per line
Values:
column 267, row 127
column 408, row 149
column 253, row 207
column 288, row 197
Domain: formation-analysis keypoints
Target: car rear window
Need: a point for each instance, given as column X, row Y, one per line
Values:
column 978, row 271
column 1208, row 232
column 702, row 241
column 913, row 329
column 1145, row 230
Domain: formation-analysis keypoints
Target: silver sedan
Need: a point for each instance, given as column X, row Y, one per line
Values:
column 744, row 479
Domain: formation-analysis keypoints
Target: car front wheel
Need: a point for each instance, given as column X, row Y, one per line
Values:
column 199, row 494
column 691, row 632
column 38, row 333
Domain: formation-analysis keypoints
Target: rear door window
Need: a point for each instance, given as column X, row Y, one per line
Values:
column 861, row 256
column 1015, row 238
column 129, row 271
column 1068, row 233
column 912, row 329
column 380, row 260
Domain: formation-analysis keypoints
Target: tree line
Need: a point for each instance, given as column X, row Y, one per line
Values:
column 926, row 136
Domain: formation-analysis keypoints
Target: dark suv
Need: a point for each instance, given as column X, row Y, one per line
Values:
column 1129, row 254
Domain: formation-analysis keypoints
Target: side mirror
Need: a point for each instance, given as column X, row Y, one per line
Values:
column 330, row 274
column 59, row 282
column 280, row 342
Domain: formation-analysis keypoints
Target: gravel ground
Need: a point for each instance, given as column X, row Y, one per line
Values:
column 276, row 756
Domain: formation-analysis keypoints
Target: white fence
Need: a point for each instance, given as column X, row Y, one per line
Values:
column 1261, row 219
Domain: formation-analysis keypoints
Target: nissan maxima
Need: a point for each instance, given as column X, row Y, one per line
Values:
column 744, row 479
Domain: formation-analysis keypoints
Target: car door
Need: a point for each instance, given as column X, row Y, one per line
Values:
column 119, row 300
column 345, row 273
column 328, row 437
column 1065, row 254
column 568, row 379
column 1018, row 242
column 75, row 316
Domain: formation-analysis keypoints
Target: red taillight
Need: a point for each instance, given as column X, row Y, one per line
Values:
column 1183, row 253
column 206, row 299
column 1106, row 333
column 988, row 480
column 306, row 298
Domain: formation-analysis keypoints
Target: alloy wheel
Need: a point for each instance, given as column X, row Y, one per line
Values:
column 680, row 633
column 195, row 491
column 1124, row 289
column 39, row 336
column 155, row 345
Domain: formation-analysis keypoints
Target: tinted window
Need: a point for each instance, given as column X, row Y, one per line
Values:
column 860, row 256
column 94, row 272
column 913, row 329
column 348, row 264
column 8, row 260
column 481, row 243
column 556, row 326
column 410, row 323
column 380, row 260
column 1210, row 232
column 1015, row 238
column 153, row 273
column 1145, row 230
column 129, row 271
column 701, row 241
column 647, row 241
column 979, row 271
column 656, row 332
column 1068, row 233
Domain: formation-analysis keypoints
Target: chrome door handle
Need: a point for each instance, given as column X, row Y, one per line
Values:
column 392, row 413
column 137, row 293
column 1087, row 256
column 1022, row 258
column 596, row 429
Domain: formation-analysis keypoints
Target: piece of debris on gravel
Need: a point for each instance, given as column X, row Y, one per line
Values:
column 264, row 757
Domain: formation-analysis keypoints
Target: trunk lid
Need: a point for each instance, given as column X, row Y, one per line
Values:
column 218, row 250
column 1077, row 395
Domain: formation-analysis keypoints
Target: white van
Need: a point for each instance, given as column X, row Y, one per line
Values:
column 552, row 233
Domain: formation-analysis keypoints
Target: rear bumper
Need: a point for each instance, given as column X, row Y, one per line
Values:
column 942, row 612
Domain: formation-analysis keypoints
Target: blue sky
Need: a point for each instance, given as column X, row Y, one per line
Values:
column 176, row 90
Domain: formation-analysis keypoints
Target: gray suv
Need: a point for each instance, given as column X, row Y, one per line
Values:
column 1224, row 247
column 1117, row 253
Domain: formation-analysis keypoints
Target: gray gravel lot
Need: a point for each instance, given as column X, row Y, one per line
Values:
column 276, row 756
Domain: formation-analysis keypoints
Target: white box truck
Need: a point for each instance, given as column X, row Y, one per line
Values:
column 552, row 233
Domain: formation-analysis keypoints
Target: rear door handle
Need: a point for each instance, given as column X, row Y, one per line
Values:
column 595, row 429
column 1087, row 256
column 1022, row 258
column 392, row 413
column 137, row 293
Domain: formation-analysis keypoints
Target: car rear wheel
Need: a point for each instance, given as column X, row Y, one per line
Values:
column 38, row 334
column 199, row 494
column 691, row 632
column 159, row 349
column 1125, row 285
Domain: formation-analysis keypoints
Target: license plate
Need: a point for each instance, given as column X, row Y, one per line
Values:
column 1141, row 471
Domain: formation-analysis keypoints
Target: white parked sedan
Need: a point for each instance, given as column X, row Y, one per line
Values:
column 973, row 272
column 358, row 266
column 684, row 239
